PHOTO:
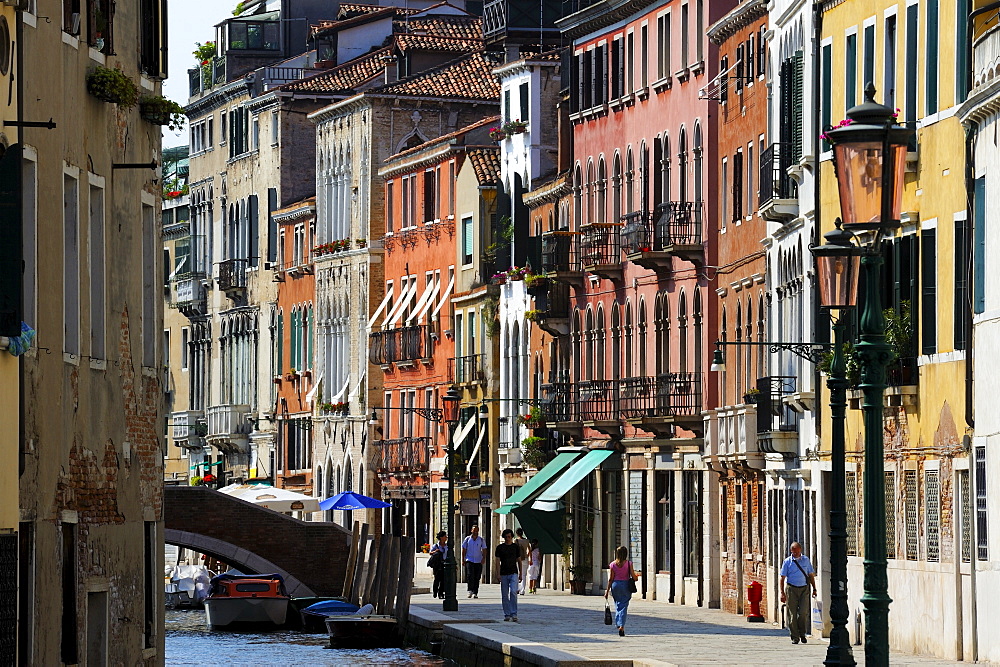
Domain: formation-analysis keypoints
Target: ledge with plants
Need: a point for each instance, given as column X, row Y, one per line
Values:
column 534, row 454
column 534, row 418
column 534, row 315
column 109, row 84
column 161, row 111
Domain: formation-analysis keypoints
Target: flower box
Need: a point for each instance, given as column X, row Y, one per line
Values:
column 112, row 85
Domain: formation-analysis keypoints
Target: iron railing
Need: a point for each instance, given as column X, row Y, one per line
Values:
column 559, row 251
column 901, row 372
column 637, row 233
column 773, row 414
column 232, row 274
column 401, row 344
column 467, row 369
column 559, row 402
column 599, row 244
column 663, row 395
column 678, row 223
column 775, row 183
column 403, row 454
column 598, row 400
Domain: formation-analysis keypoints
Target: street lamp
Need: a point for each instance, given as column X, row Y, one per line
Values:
column 870, row 161
column 450, row 404
column 837, row 270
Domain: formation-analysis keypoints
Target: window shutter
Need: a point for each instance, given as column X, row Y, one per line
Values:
column 11, row 274
column 961, row 313
column 254, row 254
column 272, row 226
column 979, row 247
column 795, row 73
column 928, row 308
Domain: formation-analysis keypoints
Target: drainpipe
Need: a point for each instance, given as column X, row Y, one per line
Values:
column 971, row 134
column 816, row 237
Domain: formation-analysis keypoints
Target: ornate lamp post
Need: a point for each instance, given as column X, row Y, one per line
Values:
column 837, row 269
column 870, row 161
column 450, row 402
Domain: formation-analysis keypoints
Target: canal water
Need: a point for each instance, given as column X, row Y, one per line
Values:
column 189, row 641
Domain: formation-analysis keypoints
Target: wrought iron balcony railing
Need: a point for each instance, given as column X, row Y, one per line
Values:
column 467, row 369
column 678, row 223
column 403, row 455
column 560, row 252
column 598, row 400
column 663, row 395
column 773, row 414
column 775, row 183
column 559, row 402
column 232, row 274
column 400, row 345
column 599, row 244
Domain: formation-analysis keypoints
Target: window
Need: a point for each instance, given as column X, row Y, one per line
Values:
column 390, row 205
column 430, row 196
column 738, row 87
column 100, row 20
column 467, row 240
column 699, row 19
column 617, row 67
column 663, row 46
column 97, row 274
column 912, row 58
column 762, row 52
column 29, row 240
column 524, row 100
column 71, row 264
column 724, row 193
column 685, row 38
column 851, row 483
column 912, row 519
column 979, row 246
column 982, row 536
column 274, row 128
column 506, row 105
column 928, row 285
column 962, row 55
column 791, row 100
column 965, row 489
column 185, row 339
column 149, row 297
column 749, row 52
column 153, row 37
column 255, row 133
column 932, row 512
column 628, row 81
column 71, row 17
column 222, row 128
column 749, row 208
column 962, row 265
column 692, row 523
column 451, row 188
column 69, row 650
column 868, row 64
column 931, row 56
column 738, row 186
column 851, row 70
column 644, row 55
column 827, row 90
column 890, row 514
column 889, row 63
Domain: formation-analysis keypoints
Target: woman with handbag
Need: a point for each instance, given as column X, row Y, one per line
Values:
column 438, row 553
column 621, row 585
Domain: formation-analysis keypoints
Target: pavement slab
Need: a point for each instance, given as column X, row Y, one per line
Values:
column 658, row 634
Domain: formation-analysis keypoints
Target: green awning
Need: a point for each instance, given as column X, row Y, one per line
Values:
column 546, row 527
column 553, row 468
column 548, row 501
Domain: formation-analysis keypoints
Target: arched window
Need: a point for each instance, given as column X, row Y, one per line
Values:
column 591, row 193
column 761, row 324
column 682, row 333
column 627, row 370
column 577, row 347
column 682, row 161
column 738, row 350
column 602, row 193
column 697, row 162
column 748, row 324
column 599, row 345
column 589, row 340
column 664, row 167
column 641, row 356
column 577, row 196
column 643, row 197
column 698, row 333
column 616, row 184
column 616, row 341
column 629, row 181
column 318, row 485
column 663, row 325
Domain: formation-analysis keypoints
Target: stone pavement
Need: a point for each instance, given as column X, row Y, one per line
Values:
column 658, row 634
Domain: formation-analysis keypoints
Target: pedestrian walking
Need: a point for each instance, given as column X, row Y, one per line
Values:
column 621, row 586
column 438, row 555
column 797, row 575
column 473, row 552
column 508, row 556
column 525, row 552
column 534, row 566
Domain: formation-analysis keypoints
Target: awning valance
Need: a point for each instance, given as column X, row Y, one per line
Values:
column 535, row 484
column 424, row 302
column 381, row 307
column 404, row 300
column 548, row 501
column 444, row 297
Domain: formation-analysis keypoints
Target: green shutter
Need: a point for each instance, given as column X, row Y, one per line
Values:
column 11, row 270
column 931, row 57
column 979, row 249
column 796, row 106
column 827, row 92
column 851, row 71
column 280, row 343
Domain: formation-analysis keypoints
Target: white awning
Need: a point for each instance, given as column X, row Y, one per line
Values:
column 400, row 307
column 475, row 450
column 423, row 302
column 463, row 433
column 381, row 307
column 422, row 313
column 357, row 387
column 312, row 392
column 180, row 265
column 444, row 297
column 343, row 390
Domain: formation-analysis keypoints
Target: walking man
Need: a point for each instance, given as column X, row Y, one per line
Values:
column 799, row 574
column 508, row 556
column 522, row 542
column 473, row 552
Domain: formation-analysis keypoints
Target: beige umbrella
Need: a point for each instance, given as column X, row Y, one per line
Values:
column 273, row 498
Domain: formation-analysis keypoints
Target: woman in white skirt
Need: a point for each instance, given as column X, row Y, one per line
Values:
column 534, row 566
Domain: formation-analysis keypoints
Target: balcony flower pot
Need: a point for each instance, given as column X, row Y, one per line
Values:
column 499, row 278
column 200, row 429
column 109, row 84
column 533, row 280
column 514, row 127
column 534, row 315
column 496, row 134
column 161, row 111
column 751, row 397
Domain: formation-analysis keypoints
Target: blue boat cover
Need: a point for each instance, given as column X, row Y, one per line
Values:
column 331, row 607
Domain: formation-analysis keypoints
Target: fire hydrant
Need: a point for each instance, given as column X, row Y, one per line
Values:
column 755, row 593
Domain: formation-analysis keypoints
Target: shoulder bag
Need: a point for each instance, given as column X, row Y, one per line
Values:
column 631, row 580
column 608, row 620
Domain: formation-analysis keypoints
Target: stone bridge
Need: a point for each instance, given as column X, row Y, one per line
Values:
column 310, row 555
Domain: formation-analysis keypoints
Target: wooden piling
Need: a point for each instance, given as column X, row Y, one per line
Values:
column 352, row 559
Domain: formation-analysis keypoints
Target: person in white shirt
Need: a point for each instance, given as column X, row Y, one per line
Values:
column 473, row 553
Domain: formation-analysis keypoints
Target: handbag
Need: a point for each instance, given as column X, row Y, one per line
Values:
column 608, row 620
column 631, row 585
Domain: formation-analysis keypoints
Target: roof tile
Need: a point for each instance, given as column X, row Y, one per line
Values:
column 468, row 77
column 343, row 78
column 485, row 163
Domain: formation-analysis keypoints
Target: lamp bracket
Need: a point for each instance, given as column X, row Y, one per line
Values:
column 812, row 352
column 430, row 414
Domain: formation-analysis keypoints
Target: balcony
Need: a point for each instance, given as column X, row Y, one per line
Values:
column 228, row 426
column 467, row 369
column 552, row 309
column 403, row 456
column 598, row 400
column 207, row 76
column 232, row 275
column 777, row 419
column 657, row 404
column 403, row 346
column 510, row 21
column 778, row 192
column 561, row 408
column 188, row 428
column 560, row 257
column 600, row 253
column 674, row 229
column 189, row 295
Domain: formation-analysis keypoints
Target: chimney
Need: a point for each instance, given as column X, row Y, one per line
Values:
column 391, row 69
column 513, row 52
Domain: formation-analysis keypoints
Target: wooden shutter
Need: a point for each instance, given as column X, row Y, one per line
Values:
column 796, row 101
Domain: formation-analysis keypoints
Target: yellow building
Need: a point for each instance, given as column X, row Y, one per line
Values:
column 914, row 54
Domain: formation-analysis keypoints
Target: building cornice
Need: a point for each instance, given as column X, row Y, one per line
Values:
column 549, row 193
column 983, row 102
column 525, row 65
column 736, row 20
column 428, row 157
column 217, row 98
column 293, row 214
column 599, row 15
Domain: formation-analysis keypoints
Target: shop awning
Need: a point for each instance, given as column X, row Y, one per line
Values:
column 535, row 484
column 546, row 527
column 548, row 501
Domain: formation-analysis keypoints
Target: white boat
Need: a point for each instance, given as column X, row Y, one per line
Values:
column 247, row 600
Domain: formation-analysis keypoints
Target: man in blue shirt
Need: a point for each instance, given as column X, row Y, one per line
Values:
column 473, row 550
column 799, row 574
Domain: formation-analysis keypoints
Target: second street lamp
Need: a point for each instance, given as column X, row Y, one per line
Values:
column 450, row 402
column 870, row 161
column 837, row 271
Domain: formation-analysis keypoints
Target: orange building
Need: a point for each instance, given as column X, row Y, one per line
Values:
column 294, row 326
column 415, row 334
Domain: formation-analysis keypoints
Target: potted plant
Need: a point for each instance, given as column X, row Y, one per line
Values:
column 111, row 85
column 200, row 429
column 517, row 272
column 195, row 481
column 533, row 419
column 515, row 126
column 160, row 111
column 534, row 454
column 361, row 243
column 291, row 375
column 500, row 278
column 497, row 134
column 578, row 582
column 534, row 280
column 751, row 396
column 534, row 315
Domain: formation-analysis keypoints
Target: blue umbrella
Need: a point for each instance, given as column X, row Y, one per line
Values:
column 351, row 501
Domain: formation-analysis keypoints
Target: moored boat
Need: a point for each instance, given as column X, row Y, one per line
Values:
column 241, row 600
column 363, row 631
column 314, row 616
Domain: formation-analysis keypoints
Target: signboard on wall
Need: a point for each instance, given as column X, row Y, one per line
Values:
column 636, row 489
